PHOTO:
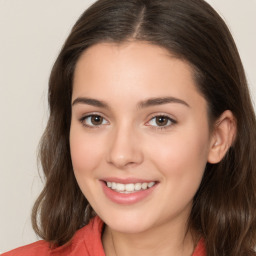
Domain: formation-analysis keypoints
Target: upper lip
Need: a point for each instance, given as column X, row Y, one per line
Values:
column 127, row 180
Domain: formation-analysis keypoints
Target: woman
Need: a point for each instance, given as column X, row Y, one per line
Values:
column 149, row 147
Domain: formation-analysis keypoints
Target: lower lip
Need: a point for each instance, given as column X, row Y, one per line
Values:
column 122, row 198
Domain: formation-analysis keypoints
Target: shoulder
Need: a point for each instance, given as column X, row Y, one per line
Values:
column 40, row 248
column 86, row 241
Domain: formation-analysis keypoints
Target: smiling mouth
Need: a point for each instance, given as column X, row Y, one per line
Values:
column 129, row 188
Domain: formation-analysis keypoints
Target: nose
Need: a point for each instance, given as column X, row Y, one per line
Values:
column 124, row 148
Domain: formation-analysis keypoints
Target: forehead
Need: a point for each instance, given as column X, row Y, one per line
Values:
column 133, row 69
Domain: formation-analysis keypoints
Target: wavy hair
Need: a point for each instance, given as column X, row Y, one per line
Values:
column 224, row 207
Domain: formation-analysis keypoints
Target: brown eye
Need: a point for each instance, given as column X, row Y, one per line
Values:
column 96, row 120
column 93, row 120
column 162, row 120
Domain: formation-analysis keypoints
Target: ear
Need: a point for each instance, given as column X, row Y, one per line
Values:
column 223, row 135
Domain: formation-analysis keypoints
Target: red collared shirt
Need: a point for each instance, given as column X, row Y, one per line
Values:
column 86, row 242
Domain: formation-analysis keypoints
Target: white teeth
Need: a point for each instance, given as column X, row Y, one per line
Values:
column 113, row 185
column 137, row 186
column 144, row 185
column 120, row 187
column 151, row 184
column 130, row 188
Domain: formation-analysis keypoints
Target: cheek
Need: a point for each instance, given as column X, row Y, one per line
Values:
column 182, row 156
column 85, row 152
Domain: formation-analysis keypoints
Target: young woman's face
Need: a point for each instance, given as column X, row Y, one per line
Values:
column 139, row 135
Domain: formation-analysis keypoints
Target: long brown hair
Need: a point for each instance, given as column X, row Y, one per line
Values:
column 224, row 209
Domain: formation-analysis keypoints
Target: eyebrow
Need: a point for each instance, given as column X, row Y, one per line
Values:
column 143, row 104
column 160, row 101
column 92, row 102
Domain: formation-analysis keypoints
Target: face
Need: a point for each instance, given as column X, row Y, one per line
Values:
column 139, row 135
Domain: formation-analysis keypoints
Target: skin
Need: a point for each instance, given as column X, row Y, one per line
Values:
column 129, row 143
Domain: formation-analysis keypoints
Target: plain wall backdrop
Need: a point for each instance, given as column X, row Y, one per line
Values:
column 31, row 35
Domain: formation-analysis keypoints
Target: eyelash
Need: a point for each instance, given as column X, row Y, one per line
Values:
column 169, row 119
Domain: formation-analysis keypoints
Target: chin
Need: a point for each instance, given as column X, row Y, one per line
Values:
column 128, row 223
column 130, row 227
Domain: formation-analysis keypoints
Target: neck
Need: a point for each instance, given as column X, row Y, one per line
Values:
column 162, row 241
